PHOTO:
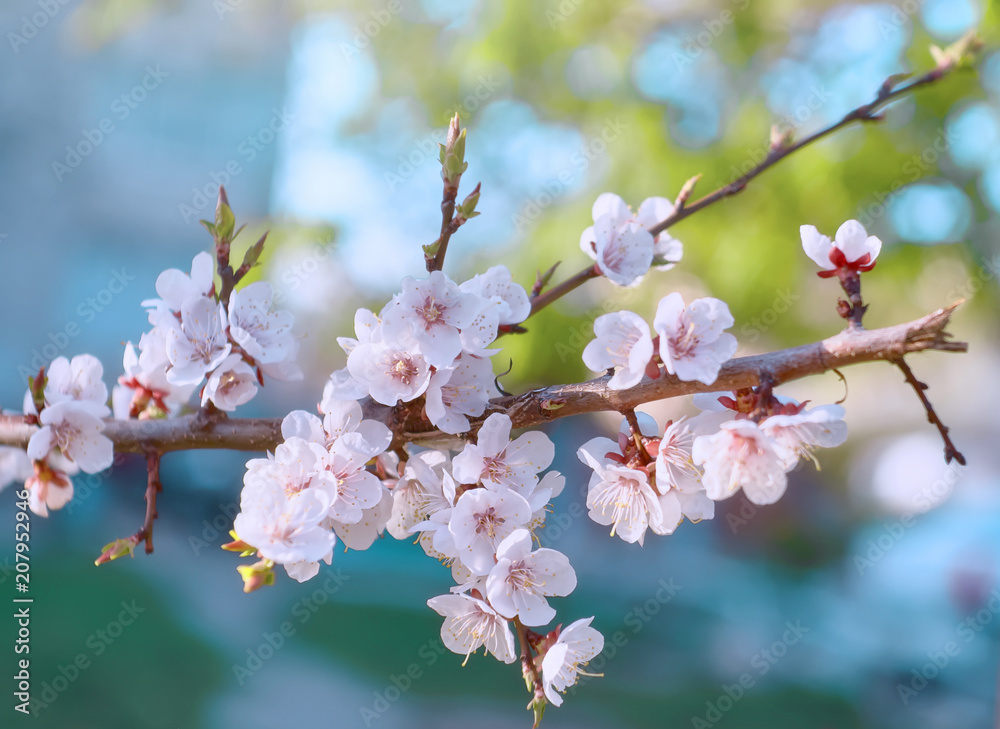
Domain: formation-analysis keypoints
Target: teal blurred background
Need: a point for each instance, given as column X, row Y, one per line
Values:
column 322, row 120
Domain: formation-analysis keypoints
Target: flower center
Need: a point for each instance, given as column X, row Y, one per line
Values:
column 400, row 366
column 489, row 523
column 431, row 312
column 684, row 341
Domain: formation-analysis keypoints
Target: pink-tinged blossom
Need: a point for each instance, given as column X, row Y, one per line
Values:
column 263, row 334
column 79, row 379
column 76, row 428
column 622, row 248
column 498, row 462
column 521, row 580
column 197, row 344
column 430, row 311
column 693, row 345
column 852, row 248
column 740, row 455
column 481, row 520
column 620, row 496
column 623, row 341
column 456, row 392
column 575, row 648
column 621, row 243
column 390, row 373
column 795, row 436
column 233, row 383
column 470, row 623
column 496, row 285
column 48, row 488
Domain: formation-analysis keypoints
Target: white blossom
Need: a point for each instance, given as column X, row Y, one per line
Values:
column 498, row 462
column 621, row 243
column 79, row 379
column 470, row 623
column 740, row 455
column 693, row 345
column 390, row 373
column 48, row 488
column 521, row 579
column 431, row 311
column 795, row 436
column 623, row 341
column 621, row 496
column 76, row 428
column 263, row 334
column 357, row 489
column 419, row 493
column 575, row 647
column 852, row 248
column 175, row 287
column 667, row 251
column 456, row 392
column 363, row 533
column 145, row 379
column 496, row 285
column 197, row 344
column 481, row 520
column 233, row 383
column 285, row 528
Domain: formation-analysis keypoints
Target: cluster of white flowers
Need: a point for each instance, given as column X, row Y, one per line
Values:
column 233, row 344
column 432, row 339
column 196, row 337
column 71, row 437
column 477, row 506
column 749, row 440
column 690, row 342
column 701, row 460
column 315, row 487
column 620, row 243
column 477, row 512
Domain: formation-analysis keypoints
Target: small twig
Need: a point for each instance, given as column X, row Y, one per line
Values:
column 864, row 113
column 558, row 291
column 153, row 487
column 950, row 451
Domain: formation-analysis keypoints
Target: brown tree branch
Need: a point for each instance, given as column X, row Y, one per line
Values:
column 849, row 347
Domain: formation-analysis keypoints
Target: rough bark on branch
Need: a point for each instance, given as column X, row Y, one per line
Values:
column 851, row 346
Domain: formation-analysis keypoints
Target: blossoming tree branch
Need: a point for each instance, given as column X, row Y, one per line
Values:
column 413, row 436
